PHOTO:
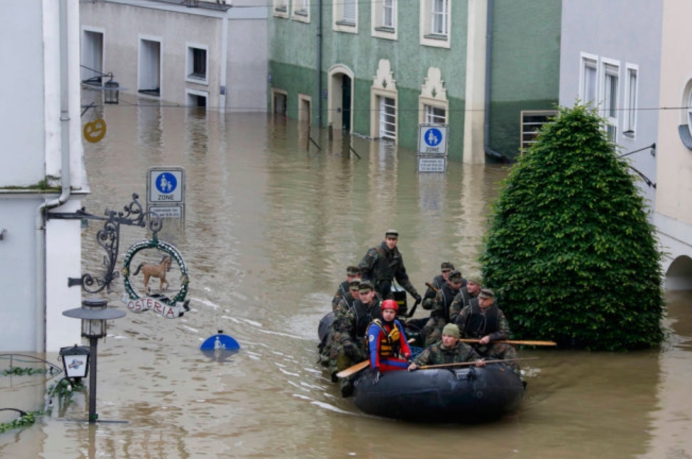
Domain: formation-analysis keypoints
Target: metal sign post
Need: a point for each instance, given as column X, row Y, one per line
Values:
column 432, row 148
column 166, row 192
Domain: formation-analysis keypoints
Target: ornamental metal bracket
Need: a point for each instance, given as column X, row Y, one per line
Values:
column 109, row 239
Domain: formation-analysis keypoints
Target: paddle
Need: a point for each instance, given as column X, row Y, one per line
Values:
column 462, row 364
column 509, row 341
column 413, row 309
column 431, row 287
column 353, row 370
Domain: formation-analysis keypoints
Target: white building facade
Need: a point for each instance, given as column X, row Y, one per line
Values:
column 191, row 53
column 42, row 171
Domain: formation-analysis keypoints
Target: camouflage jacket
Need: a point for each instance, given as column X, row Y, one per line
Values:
column 381, row 265
column 342, row 292
column 473, row 322
column 443, row 300
column 437, row 354
column 429, row 296
column 351, row 322
column 460, row 301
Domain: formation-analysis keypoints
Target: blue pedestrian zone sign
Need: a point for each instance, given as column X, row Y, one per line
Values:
column 166, row 185
column 432, row 139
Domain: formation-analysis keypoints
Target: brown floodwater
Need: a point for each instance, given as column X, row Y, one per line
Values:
column 270, row 227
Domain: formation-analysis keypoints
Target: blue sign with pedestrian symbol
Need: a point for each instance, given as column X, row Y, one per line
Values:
column 166, row 183
column 432, row 139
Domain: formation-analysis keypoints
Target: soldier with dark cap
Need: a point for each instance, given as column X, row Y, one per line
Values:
column 384, row 263
column 448, row 350
column 486, row 322
column 439, row 316
column 466, row 296
column 348, row 333
column 351, row 273
column 441, row 279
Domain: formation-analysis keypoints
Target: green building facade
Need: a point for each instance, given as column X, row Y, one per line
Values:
column 388, row 65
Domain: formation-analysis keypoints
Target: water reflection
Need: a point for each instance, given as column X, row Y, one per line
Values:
column 270, row 227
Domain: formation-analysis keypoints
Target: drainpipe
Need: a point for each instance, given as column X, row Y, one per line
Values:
column 66, row 184
column 488, row 74
column 319, row 64
column 224, row 62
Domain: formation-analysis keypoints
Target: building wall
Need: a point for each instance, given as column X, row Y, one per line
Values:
column 22, row 126
column 673, row 216
column 235, row 42
column 293, row 56
column 525, row 66
column 33, row 128
column 623, row 32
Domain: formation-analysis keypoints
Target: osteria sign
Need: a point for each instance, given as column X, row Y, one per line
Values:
column 159, row 307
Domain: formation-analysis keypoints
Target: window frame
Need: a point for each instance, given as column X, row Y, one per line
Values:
column 379, row 29
column 339, row 22
column 149, row 93
column 428, row 37
column 280, row 8
column 301, row 11
column 190, row 76
column 523, row 143
column 588, row 61
column 609, row 100
column 631, row 104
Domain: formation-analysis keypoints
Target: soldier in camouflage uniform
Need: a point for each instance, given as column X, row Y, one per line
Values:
column 343, row 290
column 449, row 350
column 466, row 296
column 439, row 316
column 346, row 303
column 439, row 280
column 382, row 264
column 487, row 323
column 348, row 333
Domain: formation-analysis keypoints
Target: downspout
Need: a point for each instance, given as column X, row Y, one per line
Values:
column 488, row 77
column 319, row 64
column 66, row 183
column 224, row 62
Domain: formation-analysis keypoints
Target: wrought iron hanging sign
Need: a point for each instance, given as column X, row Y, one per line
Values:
column 161, row 257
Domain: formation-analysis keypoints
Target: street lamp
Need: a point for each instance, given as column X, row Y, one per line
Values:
column 94, row 314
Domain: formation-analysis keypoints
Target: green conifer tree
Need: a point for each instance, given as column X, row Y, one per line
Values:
column 570, row 251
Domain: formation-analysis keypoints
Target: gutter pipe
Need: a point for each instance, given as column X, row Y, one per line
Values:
column 66, row 183
column 319, row 64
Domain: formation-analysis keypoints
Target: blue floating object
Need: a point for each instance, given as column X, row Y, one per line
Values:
column 220, row 341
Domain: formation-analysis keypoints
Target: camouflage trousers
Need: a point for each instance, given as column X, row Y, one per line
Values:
column 500, row 351
column 339, row 360
column 432, row 331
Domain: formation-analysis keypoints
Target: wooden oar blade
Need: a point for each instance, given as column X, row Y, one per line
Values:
column 352, row 370
column 510, row 341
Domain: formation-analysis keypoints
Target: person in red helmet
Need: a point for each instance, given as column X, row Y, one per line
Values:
column 389, row 349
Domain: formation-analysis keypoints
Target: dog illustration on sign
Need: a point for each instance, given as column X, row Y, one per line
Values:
column 158, row 271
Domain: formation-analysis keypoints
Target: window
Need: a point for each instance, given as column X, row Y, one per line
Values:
column 281, row 8
column 149, row 74
column 92, row 57
column 435, row 22
column 611, row 85
column 301, row 10
column 196, row 66
column 387, row 118
column 435, row 115
column 383, row 103
column 433, row 105
column 531, row 123
column 588, row 87
column 384, row 19
column 345, row 15
column 631, row 89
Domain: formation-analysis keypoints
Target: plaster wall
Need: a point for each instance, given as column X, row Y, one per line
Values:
column 21, row 93
column 623, row 32
column 125, row 23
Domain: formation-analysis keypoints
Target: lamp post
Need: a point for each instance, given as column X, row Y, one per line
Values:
column 94, row 313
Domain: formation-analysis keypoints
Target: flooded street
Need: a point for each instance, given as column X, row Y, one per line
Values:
column 269, row 231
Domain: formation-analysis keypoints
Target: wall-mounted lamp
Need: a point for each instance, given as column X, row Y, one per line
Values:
column 111, row 88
